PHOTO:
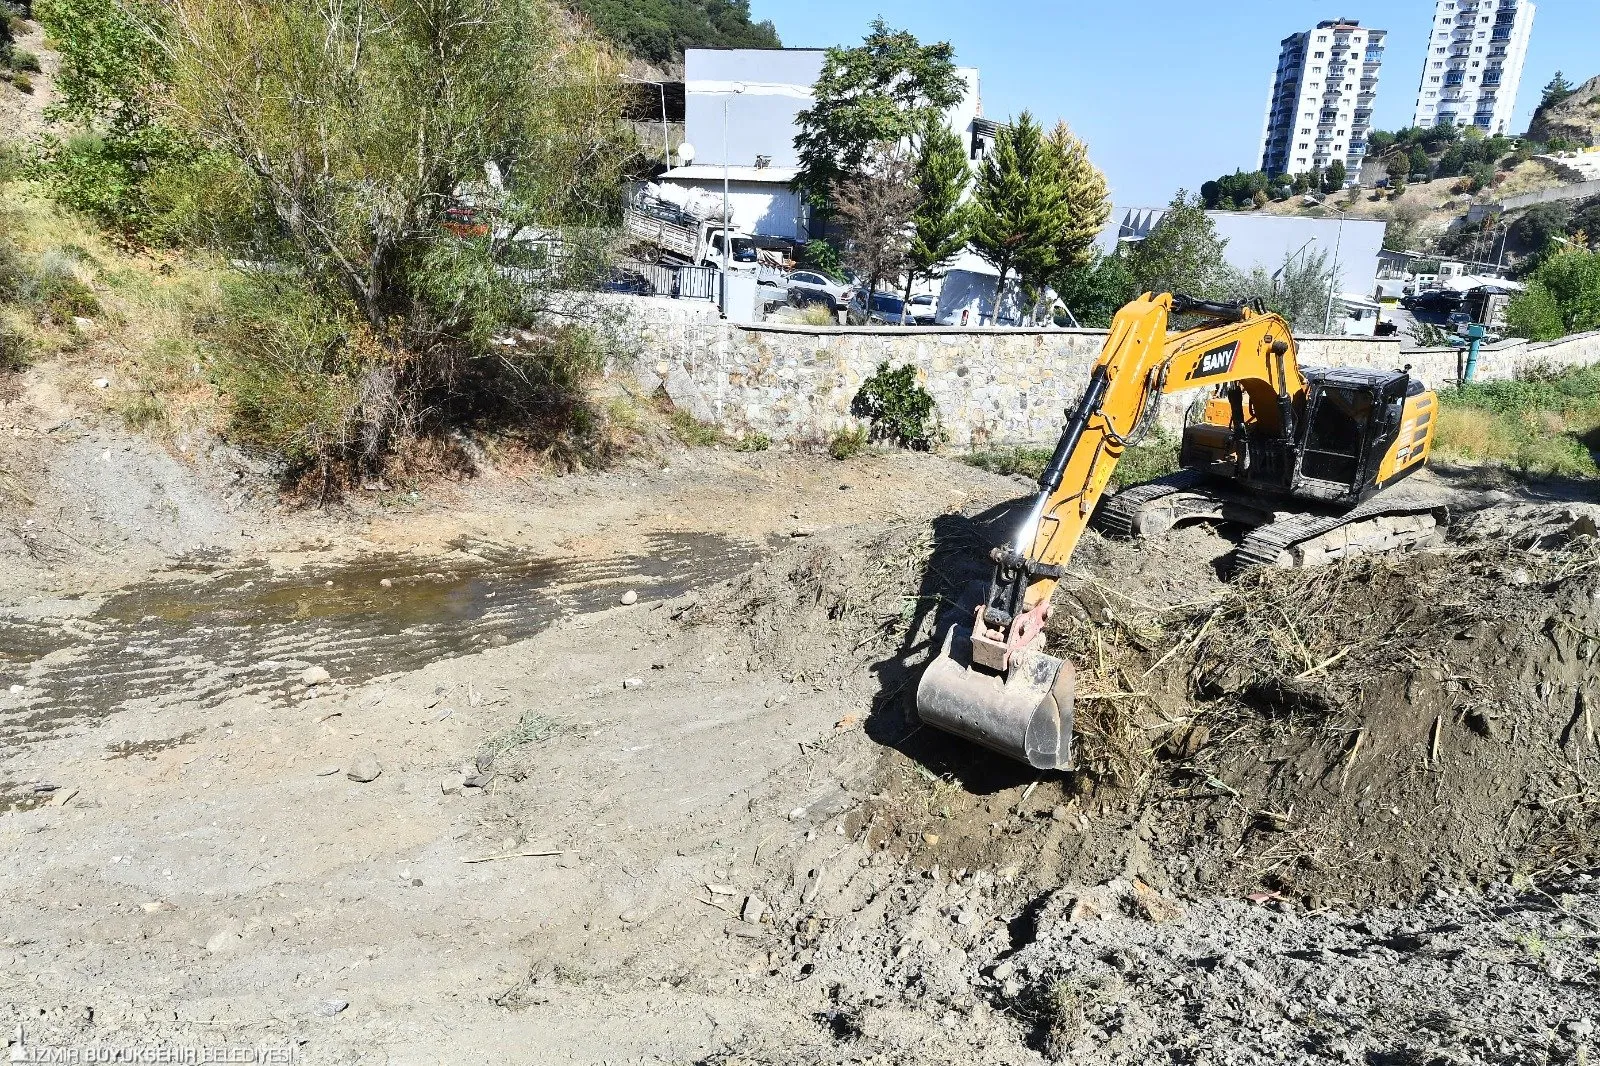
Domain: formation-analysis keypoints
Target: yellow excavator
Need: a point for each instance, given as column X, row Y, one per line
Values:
column 1304, row 456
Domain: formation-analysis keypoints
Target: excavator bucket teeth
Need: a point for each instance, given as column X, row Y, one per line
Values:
column 1025, row 713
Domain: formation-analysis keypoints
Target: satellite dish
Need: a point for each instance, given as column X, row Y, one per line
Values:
column 685, row 153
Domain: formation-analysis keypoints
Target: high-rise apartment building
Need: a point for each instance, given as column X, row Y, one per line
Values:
column 1321, row 105
column 1474, row 64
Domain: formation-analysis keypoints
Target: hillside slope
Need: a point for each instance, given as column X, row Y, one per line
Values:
column 659, row 30
column 1576, row 118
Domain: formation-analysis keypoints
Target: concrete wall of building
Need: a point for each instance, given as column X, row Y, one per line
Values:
column 771, row 208
column 992, row 386
column 774, row 86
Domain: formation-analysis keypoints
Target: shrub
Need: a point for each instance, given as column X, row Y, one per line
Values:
column 818, row 315
column 1542, row 422
column 693, row 432
column 897, row 408
column 22, row 82
column 59, row 293
column 16, row 281
column 24, row 61
column 292, row 372
column 847, row 443
column 753, row 442
column 13, row 349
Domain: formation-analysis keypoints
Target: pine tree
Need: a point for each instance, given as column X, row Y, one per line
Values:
column 1020, row 204
column 1555, row 92
column 940, row 223
column 1087, row 202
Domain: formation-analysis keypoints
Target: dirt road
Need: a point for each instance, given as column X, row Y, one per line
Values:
column 620, row 768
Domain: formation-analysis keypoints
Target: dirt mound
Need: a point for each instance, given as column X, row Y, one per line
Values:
column 1336, row 734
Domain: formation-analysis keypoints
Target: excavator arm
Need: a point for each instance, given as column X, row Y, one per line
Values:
column 992, row 683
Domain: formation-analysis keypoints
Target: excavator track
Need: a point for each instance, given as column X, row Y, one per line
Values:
column 1118, row 516
column 1394, row 519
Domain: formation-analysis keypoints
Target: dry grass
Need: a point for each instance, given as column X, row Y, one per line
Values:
column 818, row 315
column 1528, row 177
column 140, row 339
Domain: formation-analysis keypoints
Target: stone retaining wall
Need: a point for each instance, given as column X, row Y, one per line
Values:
column 992, row 386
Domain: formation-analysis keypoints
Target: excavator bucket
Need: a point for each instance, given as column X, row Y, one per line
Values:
column 1024, row 712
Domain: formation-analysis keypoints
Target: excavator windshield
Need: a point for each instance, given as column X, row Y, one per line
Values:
column 1338, row 432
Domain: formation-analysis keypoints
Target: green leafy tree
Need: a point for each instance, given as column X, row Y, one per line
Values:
column 358, row 89
column 1562, row 297
column 114, row 70
column 659, row 30
column 1096, row 291
column 347, row 132
column 1421, row 165
column 1298, row 290
column 1234, row 190
column 1557, row 90
column 941, row 220
column 884, row 91
column 1182, row 254
column 1335, row 177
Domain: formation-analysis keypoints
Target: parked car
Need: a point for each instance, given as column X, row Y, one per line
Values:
column 885, row 310
column 922, row 309
column 1434, row 301
column 810, row 287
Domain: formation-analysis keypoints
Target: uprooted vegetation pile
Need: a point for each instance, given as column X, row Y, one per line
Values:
column 1348, row 731
column 1343, row 733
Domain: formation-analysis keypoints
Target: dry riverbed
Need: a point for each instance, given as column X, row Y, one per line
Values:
column 621, row 767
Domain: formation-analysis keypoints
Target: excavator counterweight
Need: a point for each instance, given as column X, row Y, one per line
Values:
column 1302, row 453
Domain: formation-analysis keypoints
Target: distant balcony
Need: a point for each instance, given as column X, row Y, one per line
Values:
column 1501, row 33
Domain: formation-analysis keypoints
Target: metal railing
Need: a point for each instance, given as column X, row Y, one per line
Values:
column 680, row 282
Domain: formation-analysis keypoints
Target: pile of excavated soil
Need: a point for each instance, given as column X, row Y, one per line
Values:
column 1342, row 733
column 1343, row 815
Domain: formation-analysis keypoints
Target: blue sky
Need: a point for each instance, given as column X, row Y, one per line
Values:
column 1168, row 93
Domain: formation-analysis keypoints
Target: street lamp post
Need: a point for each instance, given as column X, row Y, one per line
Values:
column 727, row 245
column 1333, row 284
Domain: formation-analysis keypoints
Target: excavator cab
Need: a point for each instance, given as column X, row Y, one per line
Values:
column 1338, row 438
column 1353, row 419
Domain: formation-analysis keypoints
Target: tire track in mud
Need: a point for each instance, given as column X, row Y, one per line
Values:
column 206, row 635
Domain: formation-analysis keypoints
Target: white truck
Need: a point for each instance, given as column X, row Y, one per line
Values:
column 695, row 241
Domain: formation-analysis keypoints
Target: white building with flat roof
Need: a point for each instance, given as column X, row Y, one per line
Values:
column 1474, row 64
column 741, row 113
column 1322, row 95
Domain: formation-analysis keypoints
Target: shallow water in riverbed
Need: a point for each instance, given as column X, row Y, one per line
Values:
column 212, row 631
